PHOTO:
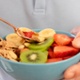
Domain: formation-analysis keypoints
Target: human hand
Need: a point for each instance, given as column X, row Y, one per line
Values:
column 76, row 41
column 73, row 72
column 75, row 30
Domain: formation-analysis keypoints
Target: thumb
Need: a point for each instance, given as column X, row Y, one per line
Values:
column 70, row 72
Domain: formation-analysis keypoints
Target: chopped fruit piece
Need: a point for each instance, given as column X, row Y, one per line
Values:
column 54, row 44
column 28, row 34
column 22, row 50
column 31, row 56
column 50, row 52
column 62, row 39
column 43, row 46
column 54, row 60
column 46, row 33
column 67, row 57
column 63, row 51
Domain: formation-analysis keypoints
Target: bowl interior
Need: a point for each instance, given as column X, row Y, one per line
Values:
column 48, row 71
column 37, row 30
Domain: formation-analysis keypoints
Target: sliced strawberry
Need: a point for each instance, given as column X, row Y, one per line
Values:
column 70, row 44
column 28, row 34
column 62, row 39
column 63, row 51
column 54, row 60
column 67, row 57
column 50, row 52
column 54, row 44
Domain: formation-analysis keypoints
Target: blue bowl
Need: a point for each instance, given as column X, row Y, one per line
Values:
column 48, row 71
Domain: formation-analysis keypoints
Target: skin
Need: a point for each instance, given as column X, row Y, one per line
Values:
column 73, row 72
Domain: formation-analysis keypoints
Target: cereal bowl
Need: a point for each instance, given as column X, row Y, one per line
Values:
column 47, row 71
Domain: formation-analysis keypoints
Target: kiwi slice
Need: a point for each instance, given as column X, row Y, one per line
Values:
column 32, row 56
column 43, row 46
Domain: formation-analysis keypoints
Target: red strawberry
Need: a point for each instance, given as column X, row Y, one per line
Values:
column 28, row 34
column 62, row 39
column 67, row 57
column 54, row 60
column 54, row 44
column 63, row 51
column 50, row 52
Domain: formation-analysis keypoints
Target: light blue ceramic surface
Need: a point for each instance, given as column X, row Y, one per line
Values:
column 49, row 71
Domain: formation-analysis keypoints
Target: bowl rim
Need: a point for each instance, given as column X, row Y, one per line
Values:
column 42, row 64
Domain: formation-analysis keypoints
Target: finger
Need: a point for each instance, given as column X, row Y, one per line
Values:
column 69, row 79
column 78, row 78
column 78, row 64
column 75, row 30
column 78, row 70
column 76, row 42
column 70, row 72
column 78, row 35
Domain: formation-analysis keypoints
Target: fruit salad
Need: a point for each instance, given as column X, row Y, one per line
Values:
column 46, row 47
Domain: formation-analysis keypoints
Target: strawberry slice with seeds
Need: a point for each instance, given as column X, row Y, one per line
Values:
column 63, row 51
column 62, row 39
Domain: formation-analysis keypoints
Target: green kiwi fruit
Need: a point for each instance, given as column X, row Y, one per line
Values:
column 32, row 56
column 43, row 46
